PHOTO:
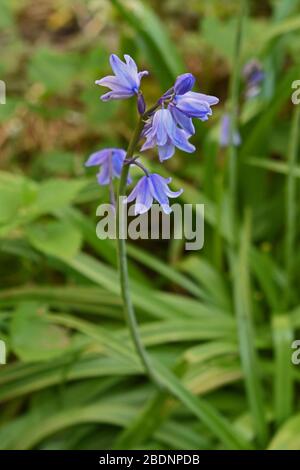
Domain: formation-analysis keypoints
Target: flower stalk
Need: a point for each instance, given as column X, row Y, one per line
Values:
column 234, row 100
column 123, row 266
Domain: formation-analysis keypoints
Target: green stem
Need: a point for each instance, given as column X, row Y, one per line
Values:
column 122, row 259
column 291, row 206
column 234, row 101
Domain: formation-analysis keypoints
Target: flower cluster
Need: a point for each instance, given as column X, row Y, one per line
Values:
column 169, row 124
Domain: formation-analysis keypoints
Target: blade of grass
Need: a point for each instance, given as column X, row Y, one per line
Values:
column 246, row 336
column 291, row 205
column 283, row 376
column 272, row 165
column 153, row 39
column 200, row 408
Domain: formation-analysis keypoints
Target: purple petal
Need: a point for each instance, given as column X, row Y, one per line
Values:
column 131, row 64
column 117, row 161
column 211, row 100
column 157, row 187
column 98, row 158
column 160, row 191
column 144, row 198
column 113, row 83
column 149, row 144
column 132, row 196
column 181, row 141
column 166, row 151
column 182, row 120
column 158, row 127
column 184, row 83
column 192, row 107
column 112, row 95
column 103, row 176
column 143, row 74
column 196, row 105
column 121, row 71
column 172, row 194
column 169, row 124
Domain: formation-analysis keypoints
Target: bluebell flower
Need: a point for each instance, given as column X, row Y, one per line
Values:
column 184, row 104
column 195, row 105
column 126, row 81
column 187, row 104
column 225, row 133
column 162, row 131
column 254, row 76
column 110, row 161
column 152, row 186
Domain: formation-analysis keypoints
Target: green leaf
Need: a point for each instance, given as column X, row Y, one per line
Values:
column 6, row 18
column 9, row 203
column 272, row 165
column 54, row 194
column 31, row 429
column 290, row 25
column 203, row 410
column 288, row 436
column 33, row 337
column 56, row 71
column 283, row 373
column 206, row 275
column 246, row 334
column 164, row 269
column 55, row 238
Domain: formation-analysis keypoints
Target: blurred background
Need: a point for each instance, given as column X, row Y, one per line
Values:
column 222, row 319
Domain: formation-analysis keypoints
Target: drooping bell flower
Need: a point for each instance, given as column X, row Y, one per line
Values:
column 110, row 161
column 189, row 103
column 225, row 133
column 163, row 132
column 152, row 187
column 254, row 75
column 126, row 81
column 195, row 105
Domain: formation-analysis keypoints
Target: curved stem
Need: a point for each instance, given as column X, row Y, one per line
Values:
column 123, row 268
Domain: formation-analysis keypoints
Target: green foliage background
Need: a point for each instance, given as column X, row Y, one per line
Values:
column 218, row 323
